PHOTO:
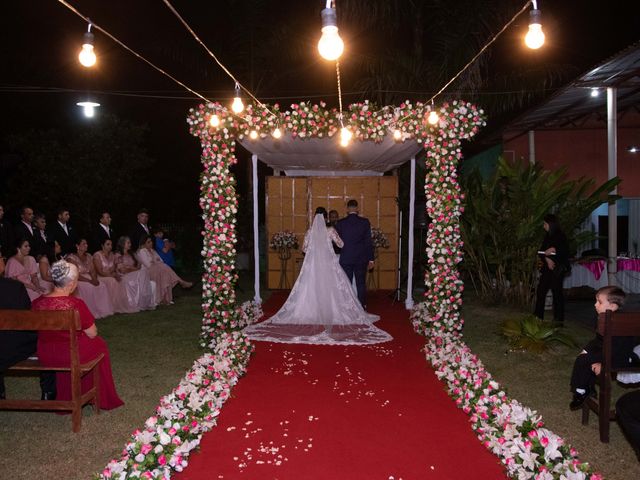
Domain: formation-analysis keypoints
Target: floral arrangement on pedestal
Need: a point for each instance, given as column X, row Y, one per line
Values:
column 379, row 239
column 283, row 240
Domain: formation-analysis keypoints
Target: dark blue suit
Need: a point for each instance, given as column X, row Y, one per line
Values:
column 357, row 252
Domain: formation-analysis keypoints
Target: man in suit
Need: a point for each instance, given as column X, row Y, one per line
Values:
column 40, row 236
column 24, row 229
column 103, row 231
column 357, row 253
column 140, row 229
column 63, row 233
column 16, row 346
column 6, row 236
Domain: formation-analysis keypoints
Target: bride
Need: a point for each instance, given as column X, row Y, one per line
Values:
column 322, row 308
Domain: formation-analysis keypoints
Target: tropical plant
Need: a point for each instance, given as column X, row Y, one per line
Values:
column 533, row 334
column 502, row 224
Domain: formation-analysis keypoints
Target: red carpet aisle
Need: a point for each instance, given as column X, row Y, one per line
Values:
column 307, row 412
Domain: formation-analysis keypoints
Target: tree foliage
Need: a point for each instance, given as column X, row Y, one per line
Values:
column 84, row 168
column 502, row 224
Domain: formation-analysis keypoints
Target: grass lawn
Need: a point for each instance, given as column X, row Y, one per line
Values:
column 150, row 352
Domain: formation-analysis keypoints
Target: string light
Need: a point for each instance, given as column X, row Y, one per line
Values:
column 330, row 44
column 237, row 106
column 214, row 121
column 433, row 117
column 595, row 92
column 87, row 56
column 88, row 108
column 277, row 133
column 253, row 135
column 534, row 38
column 397, row 135
column 345, row 136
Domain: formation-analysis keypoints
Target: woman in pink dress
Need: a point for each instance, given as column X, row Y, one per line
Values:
column 92, row 292
column 53, row 346
column 105, row 263
column 160, row 273
column 51, row 254
column 136, row 279
column 23, row 267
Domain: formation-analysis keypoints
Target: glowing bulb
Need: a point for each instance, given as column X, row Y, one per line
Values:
column 595, row 92
column 237, row 106
column 87, row 56
column 330, row 45
column 433, row 117
column 534, row 38
column 88, row 108
column 345, row 136
column 397, row 134
column 253, row 135
column 277, row 133
column 214, row 121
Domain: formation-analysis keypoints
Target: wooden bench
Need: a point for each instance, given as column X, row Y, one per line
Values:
column 610, row 324
column 54, row 320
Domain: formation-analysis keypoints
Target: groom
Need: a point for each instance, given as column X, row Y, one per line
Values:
column 357, row 253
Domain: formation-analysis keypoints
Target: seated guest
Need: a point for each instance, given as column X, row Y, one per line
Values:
column 19, row 345
column 104, row 262
column 628, row 413
column 51, row 256
column 164, row 248
column 24, row 229
column 40, row 239
column 63, row 233
column 23, row 267
column 136, row 279
column 92, row 292
column 102, row 231
column 53, row 346
column 160, row 273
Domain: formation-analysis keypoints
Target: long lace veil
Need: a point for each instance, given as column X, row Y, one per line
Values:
column 322, row 307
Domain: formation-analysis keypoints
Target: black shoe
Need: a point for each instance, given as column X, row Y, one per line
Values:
column 48, row 396
column 578, row 400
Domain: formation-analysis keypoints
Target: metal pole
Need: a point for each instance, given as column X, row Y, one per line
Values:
column 396, row 296
column 256, row 232
column 532, row 147
column 408, row 303
column 612, row 162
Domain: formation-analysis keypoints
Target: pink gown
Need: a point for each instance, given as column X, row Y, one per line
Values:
column 96, row 297
column 117, row 290
column 16, row 270
column 160, row 273
column 137, row 283
column 53, row 350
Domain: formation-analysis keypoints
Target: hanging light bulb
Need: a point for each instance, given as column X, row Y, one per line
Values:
column 87, row 56
column 397, row 135
column 237, row 106
column 330, row 44
column 595, row 92
column 345, row 136
column 534, row 38
column 214, row 121
column 88, row 108
column 253, row 135
column 433, row 117
column 277, row 133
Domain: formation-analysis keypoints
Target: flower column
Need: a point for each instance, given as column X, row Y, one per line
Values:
column 219, row 208
column 444, row 206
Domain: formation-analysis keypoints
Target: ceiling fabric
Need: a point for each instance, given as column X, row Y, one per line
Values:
column 325, row 157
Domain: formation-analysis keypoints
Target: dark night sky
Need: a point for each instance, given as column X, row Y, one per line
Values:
column 41, row 38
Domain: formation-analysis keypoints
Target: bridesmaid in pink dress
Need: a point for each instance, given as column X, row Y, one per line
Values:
column 50, row 255
column 136, row 279
column 104, row 262
column 23, row 267
column 53, row 346
column 93, row 293
column 159, row 271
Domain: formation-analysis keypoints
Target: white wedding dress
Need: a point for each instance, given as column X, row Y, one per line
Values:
column 322, row 308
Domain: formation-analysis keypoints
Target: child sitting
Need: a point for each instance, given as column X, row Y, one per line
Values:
column 589, row 363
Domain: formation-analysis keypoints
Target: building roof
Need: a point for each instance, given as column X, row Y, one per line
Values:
column 571, row 105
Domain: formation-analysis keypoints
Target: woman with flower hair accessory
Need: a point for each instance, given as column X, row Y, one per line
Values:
column 53, row 346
